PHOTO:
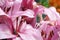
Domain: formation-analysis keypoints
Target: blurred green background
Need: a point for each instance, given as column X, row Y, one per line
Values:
column 43, row 2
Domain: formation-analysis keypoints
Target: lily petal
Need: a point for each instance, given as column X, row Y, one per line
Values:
column 29, row 32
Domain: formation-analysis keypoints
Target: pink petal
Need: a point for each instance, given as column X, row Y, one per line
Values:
column 4, row 17
column 2, row 2
column 29, row 32
column 17, row 5
column 27, row 4
column 8, row 3
column 17, row 38
column 51, row 13
column 39, row 9
column 2, row 12
column 6, row 26
column 5, row 32
column 28, row 13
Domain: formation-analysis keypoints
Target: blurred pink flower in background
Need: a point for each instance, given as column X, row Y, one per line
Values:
column 50, row 28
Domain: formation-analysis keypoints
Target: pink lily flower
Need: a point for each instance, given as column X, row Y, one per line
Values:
column 50, row 29
column 22, row 32
column 23, row 5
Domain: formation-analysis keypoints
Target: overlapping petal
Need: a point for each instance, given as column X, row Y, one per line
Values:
column 51, row 12
column 6, row 26
column 29, row 32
